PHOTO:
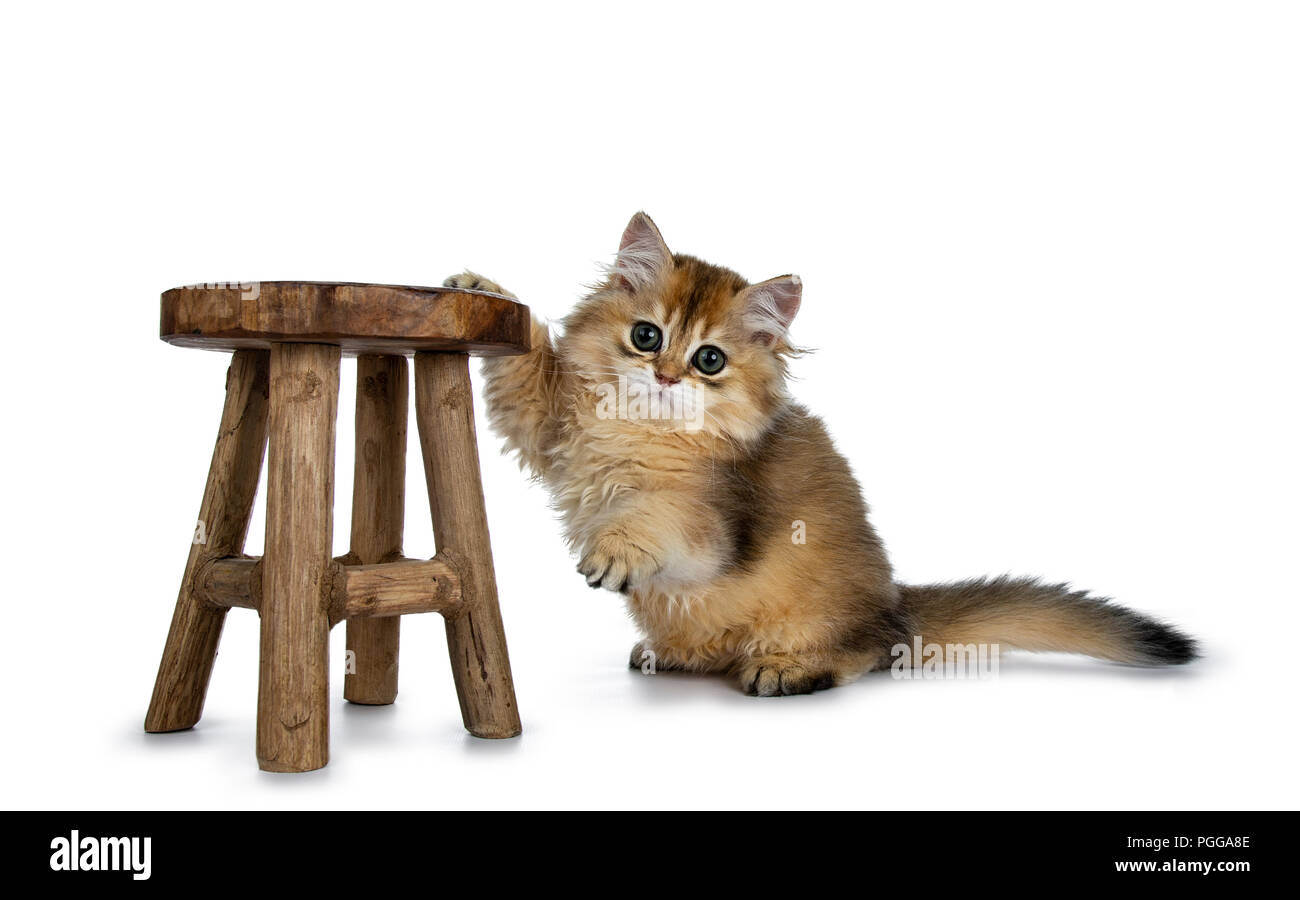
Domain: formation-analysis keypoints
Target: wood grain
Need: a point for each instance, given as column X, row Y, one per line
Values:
column 399, row 587
column 360, row 318
column 379, row 593
column 227, row 505
column 231, row 582
column 476, row 641
column 297, row 569
column 378, row 509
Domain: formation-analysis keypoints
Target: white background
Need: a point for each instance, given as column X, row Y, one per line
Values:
column 1050, row 263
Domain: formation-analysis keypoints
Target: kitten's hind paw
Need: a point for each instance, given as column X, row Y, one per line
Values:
column 472, row 281
column 782, row 676
column 648, row 660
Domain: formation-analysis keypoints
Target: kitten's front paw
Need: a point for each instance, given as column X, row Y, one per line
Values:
column 472, row 281
column 616, row 564
column 780, row 676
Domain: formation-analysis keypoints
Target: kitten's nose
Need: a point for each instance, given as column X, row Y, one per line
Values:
column 665, row 380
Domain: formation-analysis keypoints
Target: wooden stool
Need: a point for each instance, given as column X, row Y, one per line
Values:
column 287, row 339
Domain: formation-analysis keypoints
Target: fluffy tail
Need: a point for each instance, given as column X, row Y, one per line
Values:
column 1022, row 613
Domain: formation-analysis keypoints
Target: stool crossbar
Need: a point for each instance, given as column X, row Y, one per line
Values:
column 282, row 392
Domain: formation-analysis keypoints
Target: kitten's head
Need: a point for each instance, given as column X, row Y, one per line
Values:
column 695, row 337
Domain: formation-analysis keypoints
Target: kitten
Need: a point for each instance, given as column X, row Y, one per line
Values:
column 695, row 515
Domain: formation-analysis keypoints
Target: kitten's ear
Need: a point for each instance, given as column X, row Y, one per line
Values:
column 642, row 254
column 770, row 306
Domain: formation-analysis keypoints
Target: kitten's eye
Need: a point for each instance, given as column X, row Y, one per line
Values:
column 646, row 337
column 709, row 360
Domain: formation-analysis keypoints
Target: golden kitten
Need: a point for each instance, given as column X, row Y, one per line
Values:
column 690, row 481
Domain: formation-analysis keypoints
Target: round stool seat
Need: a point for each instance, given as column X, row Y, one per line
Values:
column 359, row 318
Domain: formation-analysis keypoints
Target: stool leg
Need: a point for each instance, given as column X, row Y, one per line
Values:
column 186, row 667
column 293, row 687
column 378, row 505
column 444, row 414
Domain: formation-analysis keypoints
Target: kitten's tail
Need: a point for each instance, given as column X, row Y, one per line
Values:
column 1025, row 614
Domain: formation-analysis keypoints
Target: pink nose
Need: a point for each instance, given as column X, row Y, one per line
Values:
column 665, row 380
